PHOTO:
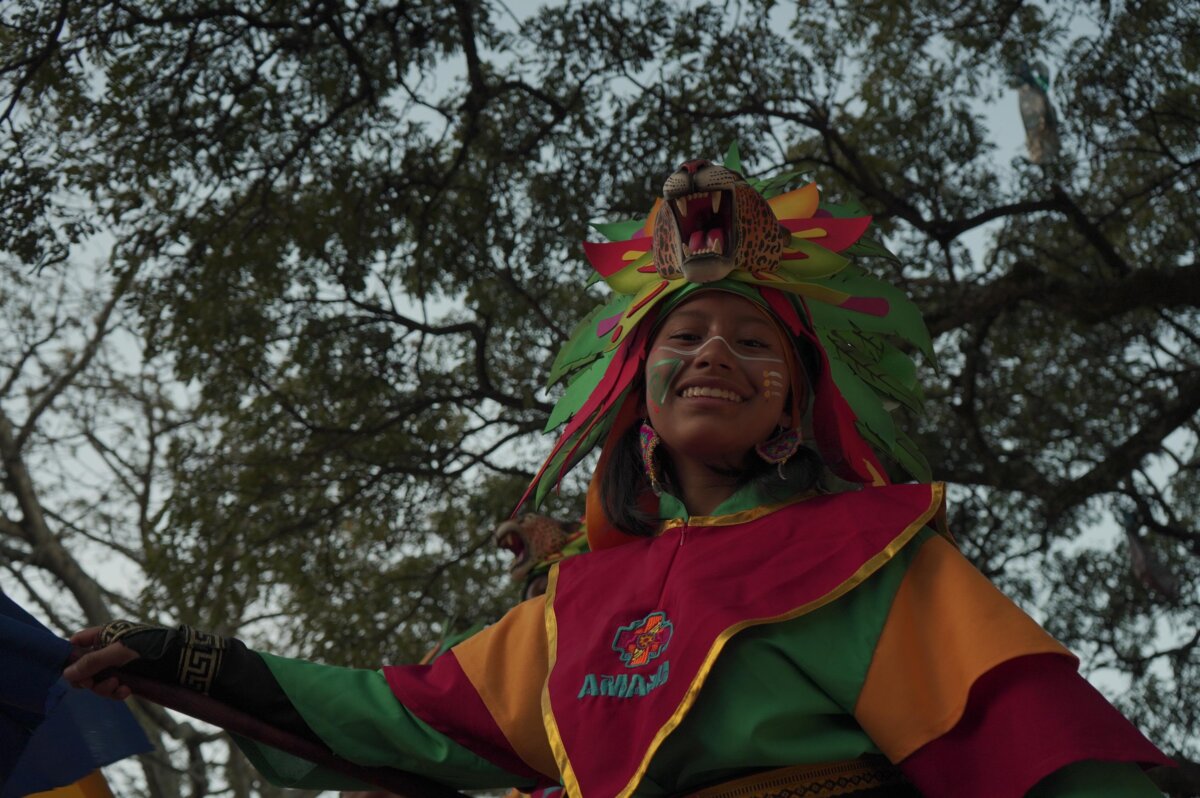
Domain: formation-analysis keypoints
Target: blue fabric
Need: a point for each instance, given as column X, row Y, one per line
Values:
column 31, row 660
column 51, row 735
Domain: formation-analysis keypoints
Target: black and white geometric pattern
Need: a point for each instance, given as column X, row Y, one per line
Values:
column 200, row 659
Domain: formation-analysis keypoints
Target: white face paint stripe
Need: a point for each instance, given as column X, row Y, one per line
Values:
column 721, row 338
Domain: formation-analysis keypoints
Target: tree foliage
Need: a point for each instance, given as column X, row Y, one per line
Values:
column 339, row 248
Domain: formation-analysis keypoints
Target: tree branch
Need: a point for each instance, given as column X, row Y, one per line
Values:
column 35, row 62
column 67, row 376
column 48, row 549
column 1125, row 457
column 1089, row 302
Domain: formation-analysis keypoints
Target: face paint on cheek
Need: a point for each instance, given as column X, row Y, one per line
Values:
column 772, row 384
column 658, row 383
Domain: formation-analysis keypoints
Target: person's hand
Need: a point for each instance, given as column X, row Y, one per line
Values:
column 92, row 661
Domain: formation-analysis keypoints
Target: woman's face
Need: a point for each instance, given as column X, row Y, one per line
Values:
column 717, row 379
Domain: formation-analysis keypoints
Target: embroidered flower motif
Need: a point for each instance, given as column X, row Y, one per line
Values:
column 642, row 641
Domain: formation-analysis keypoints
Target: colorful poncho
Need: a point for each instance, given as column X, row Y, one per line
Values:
column 817, row 630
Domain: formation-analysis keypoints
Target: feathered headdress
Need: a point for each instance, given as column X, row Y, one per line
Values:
column 787, row 251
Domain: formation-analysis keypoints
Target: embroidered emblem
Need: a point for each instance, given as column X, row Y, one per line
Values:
column 642, row 641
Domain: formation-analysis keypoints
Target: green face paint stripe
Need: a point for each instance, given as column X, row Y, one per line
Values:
column 662, row 373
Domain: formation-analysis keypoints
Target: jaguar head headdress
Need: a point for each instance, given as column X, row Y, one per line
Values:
column 788, row 251
column 713, row 222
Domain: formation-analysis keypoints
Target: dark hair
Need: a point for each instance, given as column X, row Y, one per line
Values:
column 624, row 481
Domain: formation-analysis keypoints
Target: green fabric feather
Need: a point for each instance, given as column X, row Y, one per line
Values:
column 884, row 367
column 774, row 186
column 733, row 158
column 902, row 320
column 560, row 464
column 769, row 187
column 869, row 248
column 619, row 231
column 865, row 403
column 911, row 458
column 585, row 345
column 905, row 452
column 818, row 263
column 578, row 390
column 849, row 209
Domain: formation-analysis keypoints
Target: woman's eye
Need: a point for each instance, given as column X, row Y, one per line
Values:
column 753, row 343
column 684, row 336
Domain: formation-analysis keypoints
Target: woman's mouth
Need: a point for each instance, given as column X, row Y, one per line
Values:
column 710, row 393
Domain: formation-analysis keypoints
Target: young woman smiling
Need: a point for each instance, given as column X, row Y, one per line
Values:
column 762, row 613
column 719, row 369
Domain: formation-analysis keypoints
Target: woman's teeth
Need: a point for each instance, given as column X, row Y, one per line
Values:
column 711, row 393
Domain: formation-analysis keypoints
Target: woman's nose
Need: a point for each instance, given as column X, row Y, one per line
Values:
column 715, row 353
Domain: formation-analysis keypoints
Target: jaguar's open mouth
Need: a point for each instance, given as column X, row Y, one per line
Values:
column 705, row 222
column 507, row 537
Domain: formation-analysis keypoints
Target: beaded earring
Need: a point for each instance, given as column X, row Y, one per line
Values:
column 778, row 449
column 649, row 438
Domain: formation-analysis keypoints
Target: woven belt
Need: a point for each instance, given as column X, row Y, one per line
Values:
column 824, row 780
